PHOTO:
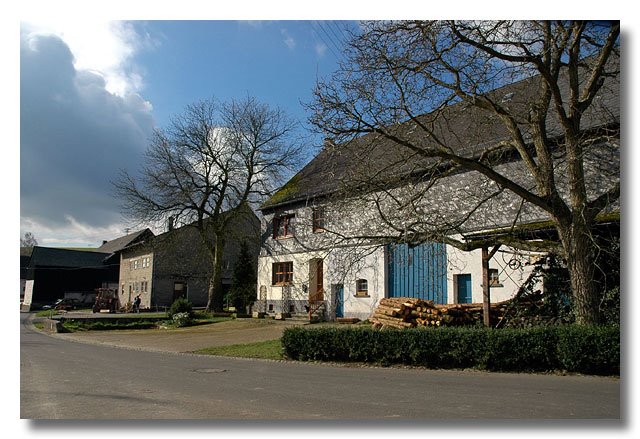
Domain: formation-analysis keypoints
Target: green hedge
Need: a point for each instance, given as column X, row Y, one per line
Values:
column 72, row 325
column 592, row 350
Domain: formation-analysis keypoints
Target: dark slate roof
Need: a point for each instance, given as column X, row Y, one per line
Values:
column 466, row 129
column 182, row 230
column 246, row 213
column 118, row 244
column 60, row 257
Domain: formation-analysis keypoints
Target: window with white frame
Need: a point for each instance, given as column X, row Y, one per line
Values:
column 362, row 288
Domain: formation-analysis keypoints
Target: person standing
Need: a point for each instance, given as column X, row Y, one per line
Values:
column 136, row 304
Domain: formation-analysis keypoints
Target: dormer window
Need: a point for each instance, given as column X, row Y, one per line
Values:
column 284, row 226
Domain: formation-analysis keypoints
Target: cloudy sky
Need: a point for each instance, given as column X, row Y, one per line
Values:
column 91, row 92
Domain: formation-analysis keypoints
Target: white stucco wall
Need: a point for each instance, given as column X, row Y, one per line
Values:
column 336, row 271
column 372, row 267
column 344, row 263
column 510, row 279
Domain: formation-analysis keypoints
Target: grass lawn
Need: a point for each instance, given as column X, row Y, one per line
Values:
column 270, row 349
column 53, row 312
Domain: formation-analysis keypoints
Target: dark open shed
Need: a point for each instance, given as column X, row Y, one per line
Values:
column 52, row 272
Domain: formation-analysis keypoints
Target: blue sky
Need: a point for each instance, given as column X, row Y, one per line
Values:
column 92, row 92
column 275, row 61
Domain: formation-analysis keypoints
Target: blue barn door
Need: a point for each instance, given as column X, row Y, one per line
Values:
column 464, row 288
column 419, row 271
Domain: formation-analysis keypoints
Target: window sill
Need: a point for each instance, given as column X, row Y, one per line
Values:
column 361, row 295
column 496, row 286
column 282, row 285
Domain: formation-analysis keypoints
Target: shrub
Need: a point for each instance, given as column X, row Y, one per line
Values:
column 181, row 319
column 180, row 305
column 531, row 349
column 594, row 350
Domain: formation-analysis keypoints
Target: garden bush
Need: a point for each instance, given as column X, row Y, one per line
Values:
column 181, row 319
column 593, row 350
column 180, row 305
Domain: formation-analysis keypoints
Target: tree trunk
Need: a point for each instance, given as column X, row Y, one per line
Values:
column 215, row 301
column 580, row 249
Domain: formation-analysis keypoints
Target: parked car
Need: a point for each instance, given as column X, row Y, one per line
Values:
column 65, row 304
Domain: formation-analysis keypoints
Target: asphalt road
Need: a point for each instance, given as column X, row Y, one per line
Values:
column 62, row 379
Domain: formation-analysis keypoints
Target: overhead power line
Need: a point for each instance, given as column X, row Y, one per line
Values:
column 326, row 39
column 332, row 27
column 345, row 35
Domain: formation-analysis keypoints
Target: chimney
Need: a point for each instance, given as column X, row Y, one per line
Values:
column 104, row 241
column 170, row 224
column 327, row 143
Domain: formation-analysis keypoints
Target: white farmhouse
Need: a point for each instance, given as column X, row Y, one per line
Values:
column 358, row 223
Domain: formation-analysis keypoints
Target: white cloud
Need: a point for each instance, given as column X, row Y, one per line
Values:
column 288, row 39
column 102, row 47
column 320, row 49
column 72, row 233
column 256, row 24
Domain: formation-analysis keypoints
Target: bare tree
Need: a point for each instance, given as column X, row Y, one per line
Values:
column 213, row 162
column 29, row 240
column 530, row 109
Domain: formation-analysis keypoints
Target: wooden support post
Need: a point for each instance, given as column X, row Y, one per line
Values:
column 486, row 288
column 486, row 292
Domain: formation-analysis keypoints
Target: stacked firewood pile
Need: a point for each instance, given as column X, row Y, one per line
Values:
column 405, row 312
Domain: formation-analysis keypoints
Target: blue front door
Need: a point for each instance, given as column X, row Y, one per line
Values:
column 338, row 292
column 464, row 288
